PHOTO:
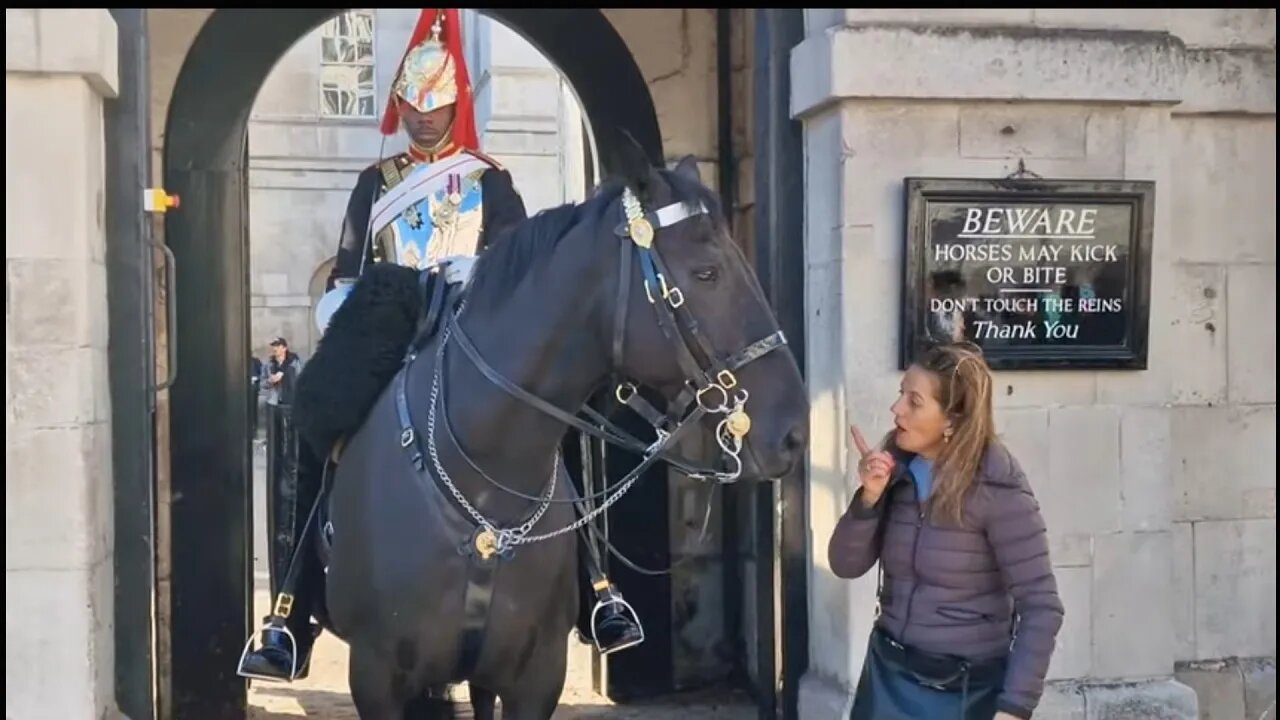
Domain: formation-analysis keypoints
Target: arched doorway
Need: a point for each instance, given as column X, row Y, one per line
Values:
column 205, row 163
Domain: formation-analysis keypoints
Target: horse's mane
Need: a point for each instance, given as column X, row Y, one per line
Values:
column 513, row 254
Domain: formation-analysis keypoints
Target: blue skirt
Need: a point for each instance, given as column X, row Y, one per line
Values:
column 902, row 683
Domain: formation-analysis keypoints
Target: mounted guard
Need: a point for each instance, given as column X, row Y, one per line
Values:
column 438, row 204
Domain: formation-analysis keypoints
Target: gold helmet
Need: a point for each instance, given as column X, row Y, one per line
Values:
column 433, row 74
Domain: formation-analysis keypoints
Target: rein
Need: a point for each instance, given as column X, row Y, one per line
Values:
column 707, row 390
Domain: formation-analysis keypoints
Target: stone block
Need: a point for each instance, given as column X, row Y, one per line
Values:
column 54, row 516
column 87, row 44
column 1132, row 609
column 46, row 151
column 1012, row 130
column 952, row 62
column 1251, row 334
column 1153, row 700
column 1151, row 20
column 21, row 43
column 1224, row 189
column 1083, row 491
column 639, row 26
column 48, row 625
column 822, row 178
column 686, row 109
column 1145, row 469
column 1218, row 686
column 1016, row 389
column 882, row 144
column 939, row 16
column 1235, row 588
column 1183, row 591
column 51, row 303
column 1073, row 654
column 1224, row 27
column 1061, row 701
column 1218, row 463
column 1259, row 675
column 56, row 386
column 1198, row 315
column 1230, row 81
column 1025, row 431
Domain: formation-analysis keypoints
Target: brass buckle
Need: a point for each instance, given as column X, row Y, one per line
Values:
column 727, row 380
column 284, row 605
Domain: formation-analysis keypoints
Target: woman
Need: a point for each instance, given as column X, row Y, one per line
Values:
column 968, row 606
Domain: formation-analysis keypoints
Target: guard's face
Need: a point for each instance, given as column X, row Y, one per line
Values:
column 426, row 129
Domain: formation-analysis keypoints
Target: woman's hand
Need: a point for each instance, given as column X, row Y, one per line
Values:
column 874, row 468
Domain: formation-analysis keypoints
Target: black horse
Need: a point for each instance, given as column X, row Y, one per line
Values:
column 453, row 553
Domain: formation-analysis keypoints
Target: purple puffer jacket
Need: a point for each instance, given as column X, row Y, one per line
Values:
column 957, row 591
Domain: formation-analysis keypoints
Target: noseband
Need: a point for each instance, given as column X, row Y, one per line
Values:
column 709, row 389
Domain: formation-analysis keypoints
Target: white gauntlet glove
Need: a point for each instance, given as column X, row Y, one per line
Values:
column 458, row 268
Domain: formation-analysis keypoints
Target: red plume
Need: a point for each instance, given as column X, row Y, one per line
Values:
column 464, row 118
column 464, row 123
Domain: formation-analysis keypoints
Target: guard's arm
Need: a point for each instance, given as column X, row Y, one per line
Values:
column 355, row 225
column 503, row 206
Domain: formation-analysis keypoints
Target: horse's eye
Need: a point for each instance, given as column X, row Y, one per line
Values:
column 706, row 274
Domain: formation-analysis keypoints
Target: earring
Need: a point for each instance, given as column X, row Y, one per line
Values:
column 946, row 435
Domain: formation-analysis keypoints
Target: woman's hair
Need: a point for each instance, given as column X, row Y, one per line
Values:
column 964, row 391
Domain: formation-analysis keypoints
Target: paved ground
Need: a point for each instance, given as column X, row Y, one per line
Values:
column 323, row 694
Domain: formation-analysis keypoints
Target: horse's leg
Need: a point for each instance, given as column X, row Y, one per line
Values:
column 373, row 686
column 425, row 707
column 482, row 703
column 539, row 692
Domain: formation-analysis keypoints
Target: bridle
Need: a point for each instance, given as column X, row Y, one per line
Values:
column 710, row 388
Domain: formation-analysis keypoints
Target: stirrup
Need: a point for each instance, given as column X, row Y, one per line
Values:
column 293, row 655
column 615, row 599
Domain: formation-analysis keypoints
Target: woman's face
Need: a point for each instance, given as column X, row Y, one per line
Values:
column 426, row 129
column 919, row 420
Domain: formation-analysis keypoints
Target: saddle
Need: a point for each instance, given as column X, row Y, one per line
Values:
column 440, row 288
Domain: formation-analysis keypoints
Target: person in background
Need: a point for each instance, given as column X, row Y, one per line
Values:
column 255, row 391
column 968, row 611
column 281, row 372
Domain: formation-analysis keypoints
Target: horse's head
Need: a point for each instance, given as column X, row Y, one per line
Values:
column 696, row 326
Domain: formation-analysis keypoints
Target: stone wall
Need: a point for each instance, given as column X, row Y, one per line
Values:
column 1158, row 486
column 60, row 66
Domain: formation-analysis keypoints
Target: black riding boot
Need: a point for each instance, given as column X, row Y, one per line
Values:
column 275, row 658
column 613, row 621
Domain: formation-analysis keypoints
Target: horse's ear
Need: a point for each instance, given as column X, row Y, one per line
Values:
column 688, row 167
column 628, row 163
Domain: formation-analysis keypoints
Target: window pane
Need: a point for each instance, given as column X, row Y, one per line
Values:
column 366, row 106
column 329, row 50
column 364, row 51
column 330, row 104
column 362, row 25
column 364, row 77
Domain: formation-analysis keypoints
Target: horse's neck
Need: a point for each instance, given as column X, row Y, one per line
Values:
column 545, row 339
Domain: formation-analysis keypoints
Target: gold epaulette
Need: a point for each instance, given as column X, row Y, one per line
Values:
column 393, row 170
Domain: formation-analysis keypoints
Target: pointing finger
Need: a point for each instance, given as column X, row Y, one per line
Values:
column 859, row 441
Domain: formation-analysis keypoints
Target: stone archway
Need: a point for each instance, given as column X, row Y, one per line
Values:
column 205, row 161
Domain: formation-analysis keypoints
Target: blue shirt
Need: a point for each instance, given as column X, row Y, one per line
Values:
column 922, row 469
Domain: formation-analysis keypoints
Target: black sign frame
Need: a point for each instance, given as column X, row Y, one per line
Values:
column 1139, row 195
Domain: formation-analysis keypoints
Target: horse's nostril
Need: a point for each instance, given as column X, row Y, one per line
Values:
column 795, row 439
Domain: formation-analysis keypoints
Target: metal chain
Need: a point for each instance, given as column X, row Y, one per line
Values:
column 507, row 537
column 512, row 537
